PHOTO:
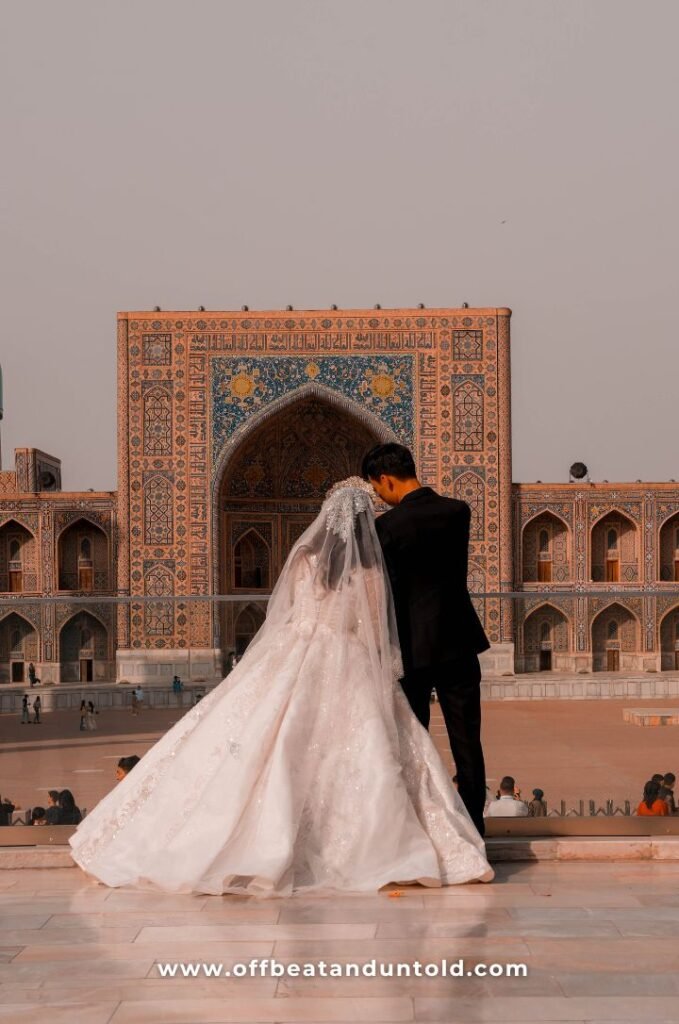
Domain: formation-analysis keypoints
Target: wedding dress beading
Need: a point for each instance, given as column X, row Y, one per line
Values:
column 305, row 769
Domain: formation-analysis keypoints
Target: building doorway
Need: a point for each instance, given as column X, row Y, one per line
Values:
column 614, row 630
column 545, row 638
column 86, row 670
column 83, row 649
column 18, row 551
column 18, row 647
column 82, row 554
column 669, row 641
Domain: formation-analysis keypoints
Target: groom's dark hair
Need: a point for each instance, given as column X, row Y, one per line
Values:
column 391, row 459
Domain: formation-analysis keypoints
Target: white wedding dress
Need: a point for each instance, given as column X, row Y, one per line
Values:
column 305, row 769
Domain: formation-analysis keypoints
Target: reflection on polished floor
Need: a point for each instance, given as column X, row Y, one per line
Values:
column 599, row 942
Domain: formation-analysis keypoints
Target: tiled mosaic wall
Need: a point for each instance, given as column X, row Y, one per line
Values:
column 193, row 387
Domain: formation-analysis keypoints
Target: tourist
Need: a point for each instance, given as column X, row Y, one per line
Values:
column 53, row 812
column 25, row 720
column 69, row 813
column 37, row 708
column 140, row 697
column 651, row 804
column 83, row 715
column 90, row 720
column 507, row 804
column 177, row 688
column 7, row 809
column 135, row 702
column 658, row 777
column 667, row 792
column 32, row 678
column 38, row 816
column 537, row 808
column 125, row 766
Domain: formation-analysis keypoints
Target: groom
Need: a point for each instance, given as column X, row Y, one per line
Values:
column 425, row 541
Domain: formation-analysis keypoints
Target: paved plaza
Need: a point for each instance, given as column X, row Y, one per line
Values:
column 573, row 749
column 599, row 942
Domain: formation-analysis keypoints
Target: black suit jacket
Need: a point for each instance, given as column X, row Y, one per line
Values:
column 425, row 541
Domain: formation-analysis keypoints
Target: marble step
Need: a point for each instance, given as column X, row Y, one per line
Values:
column 657, row 848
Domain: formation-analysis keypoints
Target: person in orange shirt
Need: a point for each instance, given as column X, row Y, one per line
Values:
column 651, row 803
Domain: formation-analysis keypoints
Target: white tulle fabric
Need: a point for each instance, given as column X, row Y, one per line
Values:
column 305, row 769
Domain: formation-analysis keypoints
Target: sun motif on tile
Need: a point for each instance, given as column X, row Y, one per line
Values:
column 242, row 386
column 382, row 385
column 313, row 370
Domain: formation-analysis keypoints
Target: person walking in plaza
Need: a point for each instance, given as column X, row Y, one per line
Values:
column 425, row 542
column 83, row 715
column 25, row 720
column 90, row 720
column 32, row 678
column 37, row 708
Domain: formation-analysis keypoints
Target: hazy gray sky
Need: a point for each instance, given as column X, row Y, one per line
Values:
column 499, row 152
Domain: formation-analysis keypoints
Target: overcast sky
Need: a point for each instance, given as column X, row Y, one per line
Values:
column 516, row 153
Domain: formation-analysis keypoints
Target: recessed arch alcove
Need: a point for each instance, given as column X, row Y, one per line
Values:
column 270, row 482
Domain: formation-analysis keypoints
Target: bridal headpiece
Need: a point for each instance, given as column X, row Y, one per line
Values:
column 344, row 501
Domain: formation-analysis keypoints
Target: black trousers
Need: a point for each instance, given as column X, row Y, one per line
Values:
column 458, row 688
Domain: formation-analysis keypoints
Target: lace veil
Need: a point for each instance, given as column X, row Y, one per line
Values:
column 334, row 588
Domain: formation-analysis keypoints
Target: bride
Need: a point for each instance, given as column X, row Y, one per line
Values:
column 305, row 769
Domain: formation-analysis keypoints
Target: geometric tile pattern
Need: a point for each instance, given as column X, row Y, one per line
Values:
column 383, row 385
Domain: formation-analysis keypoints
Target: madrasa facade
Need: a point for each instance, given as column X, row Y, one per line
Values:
column 231, row 428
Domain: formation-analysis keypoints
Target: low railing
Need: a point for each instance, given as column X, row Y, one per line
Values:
column 496, row 828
